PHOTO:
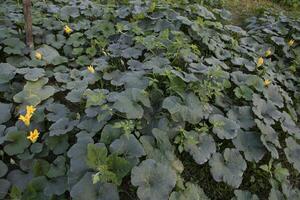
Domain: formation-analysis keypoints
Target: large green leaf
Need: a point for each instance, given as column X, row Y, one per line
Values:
column 127, row 146
column 250, row 144
column 228, row 167
column 95, row 97
column 292, row 151
column 17, row 142
column 8, row 72
column 4, row 187
column 154, row 180
column 265, row 110
column 3, row 168
column 200, row 146
column 224, row 128
column 34, row 92
column 96, row 155
column 5, row 114
column 190, row 110
column 191, row 192
column 128, row 102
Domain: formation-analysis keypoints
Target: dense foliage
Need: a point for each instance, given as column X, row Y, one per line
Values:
column 132, row 101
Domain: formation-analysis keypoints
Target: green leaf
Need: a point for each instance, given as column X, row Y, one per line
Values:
column 56, row 186
column 32, row 74
column 49, row 53
column 62, row 126
column 250, row 144
column 35, row 188
column 4, row 187
column 127, row 146
column 190, row 110
column 228, row 167
column 19, row 178
column 17, row 142
column 154, row 180
column 85, row 189
column 288, row 125
column 3, row 168
column 110, row 133
column 34, row 92
column 119, row 166
column 244, row 195
column 96, row 155
column 8, row 72
column 5, row 114
column 242, row 115
column 200, row 146
column 265, row 110
column 128, row 102
column 292, row 151
column 40, row 167
column 224, row 128
column 57, row 167
column 269, row 138
column 191, row 192
column 95, row 97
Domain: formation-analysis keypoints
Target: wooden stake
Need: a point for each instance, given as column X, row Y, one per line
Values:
column 28, row 22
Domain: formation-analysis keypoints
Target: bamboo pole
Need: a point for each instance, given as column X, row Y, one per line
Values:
column 28, row 22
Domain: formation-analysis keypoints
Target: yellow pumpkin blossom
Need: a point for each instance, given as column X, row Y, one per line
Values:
column 38, row 55
column 25, row 119
column 33, row 135
column 260, row 62
column 30, row 110
column 268, row 53
column 291, row 42
column 267, row 82
column 91, row 69
column 67, row 29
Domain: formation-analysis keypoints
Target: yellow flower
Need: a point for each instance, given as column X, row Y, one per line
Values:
column 268, row 53
column 33, row 136
column 38, row 55
column 291, row 42
column 67, row 29
column 267, row 82
column 30, row 110
column 260, row 62
column 91, row 69
column 25, row 119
